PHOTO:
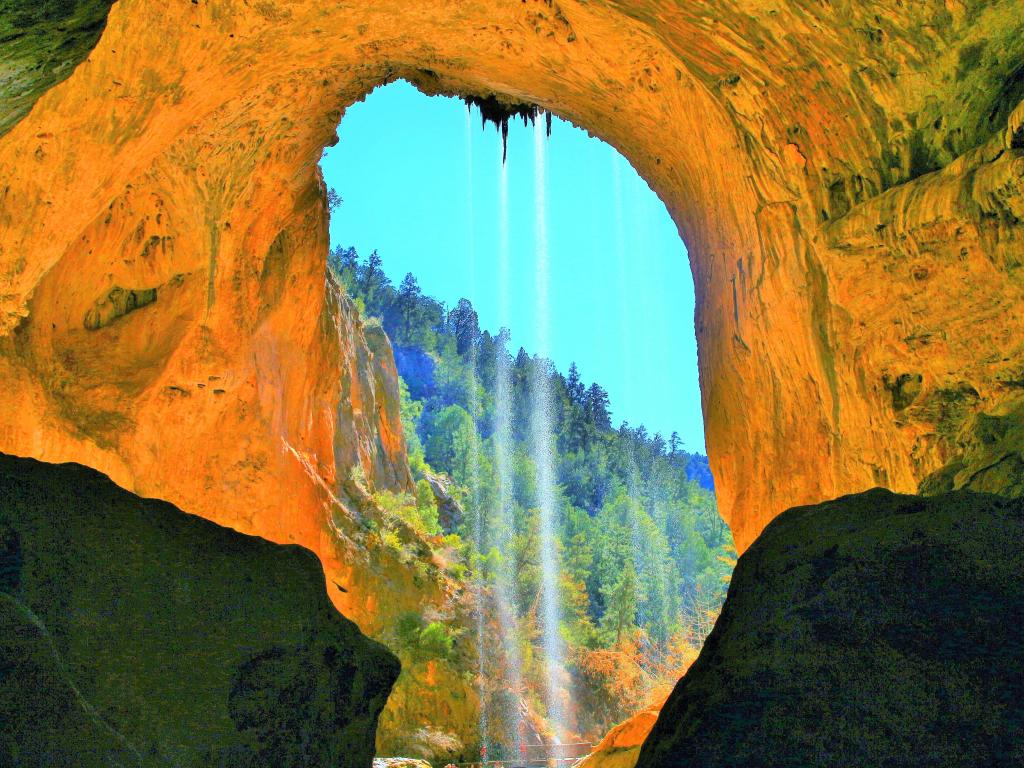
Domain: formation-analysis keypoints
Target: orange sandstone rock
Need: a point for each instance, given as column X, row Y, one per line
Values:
column 847, row 179
column 620, row 748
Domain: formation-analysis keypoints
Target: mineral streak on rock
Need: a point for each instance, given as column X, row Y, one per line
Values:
column 848, row 182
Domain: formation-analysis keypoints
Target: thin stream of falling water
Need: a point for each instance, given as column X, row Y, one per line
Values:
column 505, row 518
column 625, row 310
column 543, row 450
column 628, row 336
column 643, row 217
column 474, row 462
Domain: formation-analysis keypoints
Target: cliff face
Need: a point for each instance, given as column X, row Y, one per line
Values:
column 872, row 630
column 848, row 179
column 132, row 634
column 285, row 436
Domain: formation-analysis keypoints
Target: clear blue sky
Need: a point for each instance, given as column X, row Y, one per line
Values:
column 420, row 184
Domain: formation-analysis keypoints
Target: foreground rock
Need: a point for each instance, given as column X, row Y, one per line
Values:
column 873, row 630
column 132, row 634
column 620, row 748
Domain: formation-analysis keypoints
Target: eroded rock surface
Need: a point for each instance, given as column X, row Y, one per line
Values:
column 876, row 629
column 848, row 178
column 132, row 634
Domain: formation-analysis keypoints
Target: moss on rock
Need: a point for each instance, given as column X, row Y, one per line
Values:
column 41, row 43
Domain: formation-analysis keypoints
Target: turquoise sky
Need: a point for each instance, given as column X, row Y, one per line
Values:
column 420, row 182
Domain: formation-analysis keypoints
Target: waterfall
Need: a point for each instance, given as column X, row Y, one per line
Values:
column 543, row 451
column 479, row 585
column 628, row 334
column 645, row 563
column 504, row 518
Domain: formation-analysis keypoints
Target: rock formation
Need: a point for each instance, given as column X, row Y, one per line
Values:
column 872, row 630
column 132, row 634
column 620, row 748
column 847, row 178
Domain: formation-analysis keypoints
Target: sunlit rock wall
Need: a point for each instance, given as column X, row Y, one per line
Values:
column 847, row 176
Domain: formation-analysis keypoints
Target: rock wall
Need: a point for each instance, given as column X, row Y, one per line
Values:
column 132, row 634
column 876, row 629
column 847, row 176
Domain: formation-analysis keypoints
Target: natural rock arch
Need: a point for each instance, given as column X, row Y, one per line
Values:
column 848, row 178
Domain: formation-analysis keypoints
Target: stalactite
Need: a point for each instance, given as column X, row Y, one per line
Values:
column 500, row 113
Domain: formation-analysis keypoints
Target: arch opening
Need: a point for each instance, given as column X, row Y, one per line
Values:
column 464, row 244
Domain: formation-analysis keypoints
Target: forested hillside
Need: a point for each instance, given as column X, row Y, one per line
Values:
column 645, row 556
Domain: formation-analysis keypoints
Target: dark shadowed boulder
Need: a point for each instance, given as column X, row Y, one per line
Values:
column 874, row 630
column 132, row 634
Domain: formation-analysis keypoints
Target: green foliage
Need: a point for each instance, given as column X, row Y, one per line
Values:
column 645, row 557
column 452, row 442
column 436, row 640
column 421, row 640
column 419, row 511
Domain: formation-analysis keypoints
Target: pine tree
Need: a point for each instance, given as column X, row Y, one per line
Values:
column 574, row 386
column 621, row 599
column 464, row 324
column 334, row 200
column 374, row 285
column 407, row 303
column 596, row 404
column 344, row 262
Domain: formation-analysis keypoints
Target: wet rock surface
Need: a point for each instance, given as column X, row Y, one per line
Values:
column 876, row 629
column 132, row 634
